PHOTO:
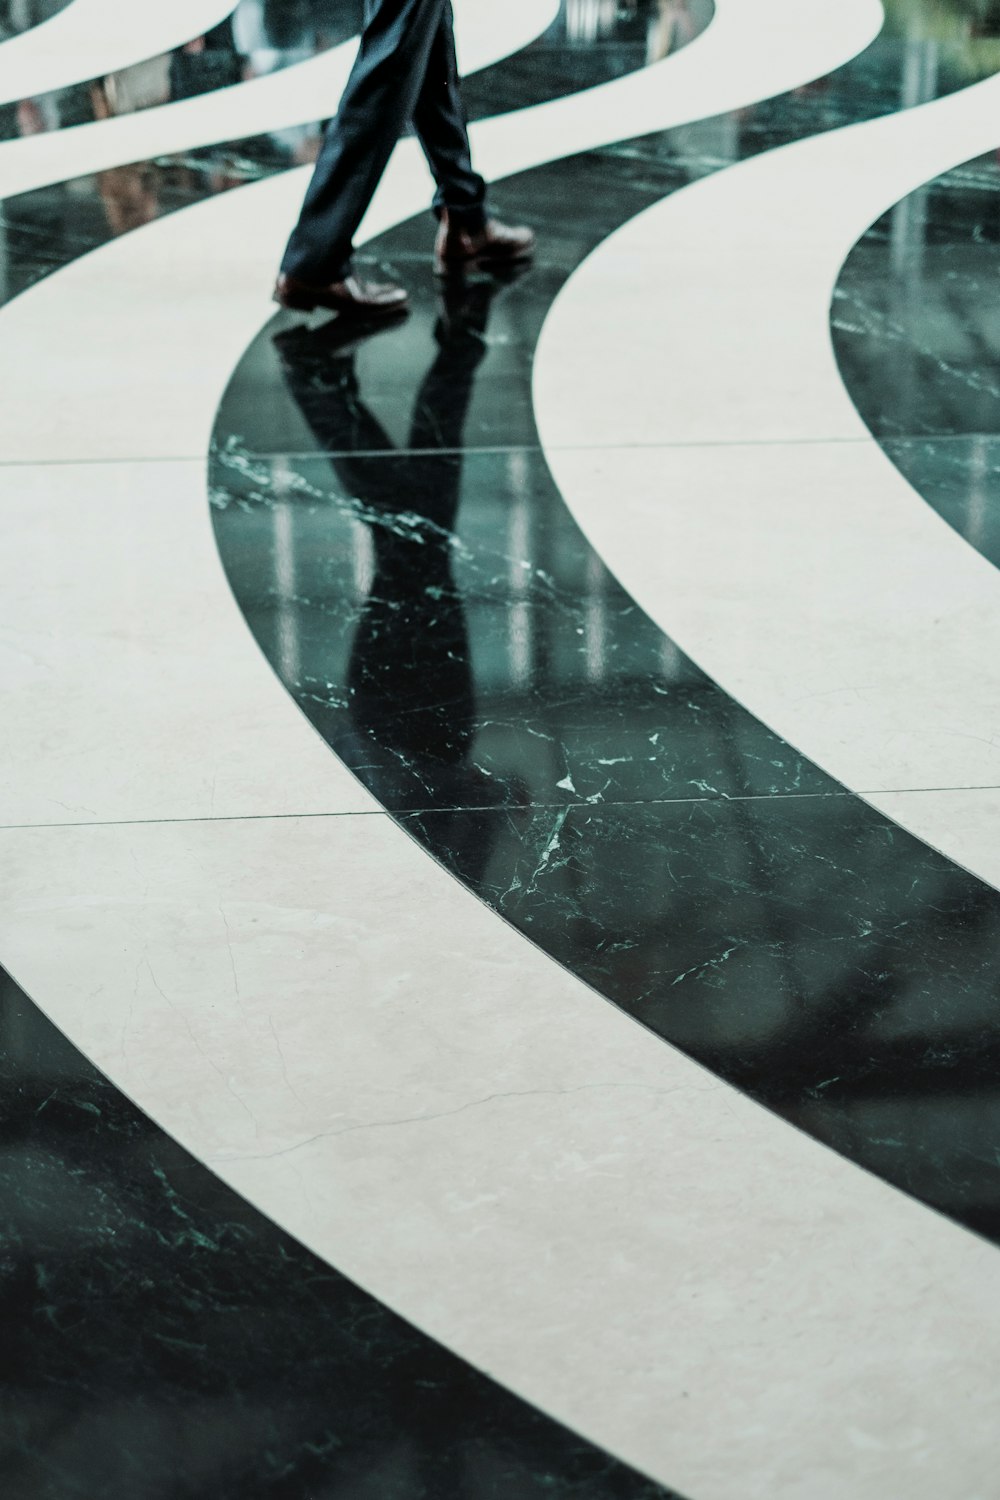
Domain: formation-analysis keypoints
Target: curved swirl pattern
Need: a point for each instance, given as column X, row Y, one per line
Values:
column 292, row 96
column 851, row 615
column 453, row 1072
column 916, row 342
column 217, row 260
column 20, row 16
column 92, row 37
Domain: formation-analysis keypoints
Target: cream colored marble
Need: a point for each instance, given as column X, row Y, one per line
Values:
column 712, row 307
column 348, row 1037
column 132, row 685
column 92, row 37
column 126, row 352
column 366, row 1053
column 961, row 822
column 80, row 382
column 299, row 95
column 810, row 581
column 755, row 518
column 118, row 628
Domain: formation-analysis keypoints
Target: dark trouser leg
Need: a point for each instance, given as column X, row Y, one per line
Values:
column 440, row 123
column 379, row 100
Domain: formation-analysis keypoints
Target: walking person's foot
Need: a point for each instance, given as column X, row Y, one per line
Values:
column 493, row 244
column 351, row 298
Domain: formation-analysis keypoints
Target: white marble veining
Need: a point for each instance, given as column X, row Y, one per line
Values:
column 364, row 1051
column 92, row 37
column 755, row 519
column 78, row 382
column 99, row 365
column 298, row 95
column 343, row 1032
column 816, row 587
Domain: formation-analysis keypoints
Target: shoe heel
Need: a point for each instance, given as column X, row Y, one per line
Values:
column 295, row 301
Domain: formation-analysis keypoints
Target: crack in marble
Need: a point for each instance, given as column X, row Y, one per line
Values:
column 324, row 1135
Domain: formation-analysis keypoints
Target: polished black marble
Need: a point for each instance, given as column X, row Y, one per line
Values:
column 258, row 38
column 960, row 477
column 916, row 330
column 19, row 16
column 928, row 48
column 444, row 624
column 915, row 316
column 480, row 402
column 446, row 627
column 804, row 948
column 421, row 590
column 163, row 1340
column 411, row 573
column 50, row 227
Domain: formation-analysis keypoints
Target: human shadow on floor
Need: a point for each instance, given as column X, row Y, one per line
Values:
column 409, row 682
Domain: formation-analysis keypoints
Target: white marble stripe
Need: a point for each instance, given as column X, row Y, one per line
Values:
column 361, row 1049
column 99, row 364
column 107, row 707
column 298, row 95
column 365, row 1052
column 757, row 521
column 78, row 384
column 93, row 37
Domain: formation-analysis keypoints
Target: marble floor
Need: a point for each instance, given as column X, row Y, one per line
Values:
column 500, row 813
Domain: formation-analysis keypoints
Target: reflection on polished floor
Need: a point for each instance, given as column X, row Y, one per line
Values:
column 501, row 811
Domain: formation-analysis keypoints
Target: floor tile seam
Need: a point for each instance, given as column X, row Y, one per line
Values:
column 116, row 460
column 486, row 449
column 471, row 450
column 886, row 439
column 842, row 794
column 880, row 440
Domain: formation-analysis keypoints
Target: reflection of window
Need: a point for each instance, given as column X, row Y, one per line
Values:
column 139, row 87
column 590, row 20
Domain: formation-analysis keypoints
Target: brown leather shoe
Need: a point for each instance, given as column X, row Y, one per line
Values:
column 495, row 244
column 352, row 297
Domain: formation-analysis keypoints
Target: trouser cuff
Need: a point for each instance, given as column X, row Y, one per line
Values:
column 471, row 216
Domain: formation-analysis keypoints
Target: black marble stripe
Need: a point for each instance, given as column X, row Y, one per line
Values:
column 20, row 16
column 52, row 226
column 271, row 36
column 400, row 552
column 917, row 336
column 161, row 1338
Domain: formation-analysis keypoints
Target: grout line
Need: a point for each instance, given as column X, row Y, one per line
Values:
column 506, row 809
column 472, row 450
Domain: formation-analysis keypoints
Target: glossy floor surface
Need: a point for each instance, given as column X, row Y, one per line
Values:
column 500, row 887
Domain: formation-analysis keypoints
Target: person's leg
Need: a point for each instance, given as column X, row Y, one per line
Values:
column 378, row 101
column 441, row 126
column 467, row 232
